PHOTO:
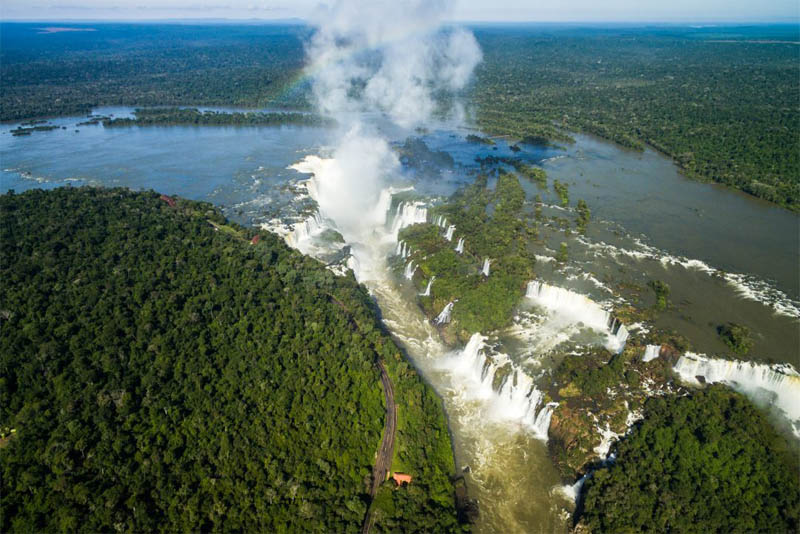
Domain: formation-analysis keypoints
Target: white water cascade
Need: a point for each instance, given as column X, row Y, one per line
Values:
column 580, row 309
column 408, row 213
column 444, row 316
column 427, row 292
column 777, row 385
column 410, row 270
column 460, row 245
column 305, row 229
column 486, row 263
column 449, row 233
column 651, row 352
column 511, row 394
column 440, row 221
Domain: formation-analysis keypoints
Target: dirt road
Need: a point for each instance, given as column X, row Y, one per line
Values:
column 383, row 463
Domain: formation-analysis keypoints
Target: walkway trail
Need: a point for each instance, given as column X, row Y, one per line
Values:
column 383, row 463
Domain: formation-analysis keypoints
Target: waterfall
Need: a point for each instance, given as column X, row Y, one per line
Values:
column 449, row 233
column 440, row 221
column 306, row 229
column 410, row 270
column 460, row 246
column 651, row 352
column 444, row 317
column 581, row 309
column 485, row 269
column 511, row 396
column 402, row 249
column 427, row 292
column 408, row 213
column 777, row 385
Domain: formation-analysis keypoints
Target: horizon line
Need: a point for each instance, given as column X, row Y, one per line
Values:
column 301, row 21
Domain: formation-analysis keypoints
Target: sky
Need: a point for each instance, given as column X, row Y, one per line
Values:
column 464, row 10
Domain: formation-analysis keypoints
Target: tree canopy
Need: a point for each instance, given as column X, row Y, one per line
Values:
column 163, row 372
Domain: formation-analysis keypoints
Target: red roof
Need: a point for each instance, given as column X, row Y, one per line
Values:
column 255, row 239
column 168, row 200
column 401, row 478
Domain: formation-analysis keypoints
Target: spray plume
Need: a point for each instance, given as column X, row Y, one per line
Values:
column 396, row 59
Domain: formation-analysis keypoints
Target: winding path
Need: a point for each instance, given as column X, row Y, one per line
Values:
column 383, row 462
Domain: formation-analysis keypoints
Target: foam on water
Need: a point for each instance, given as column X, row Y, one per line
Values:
column 746, row 286
column 508, row 392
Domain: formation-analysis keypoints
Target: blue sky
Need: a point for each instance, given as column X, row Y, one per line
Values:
column 471, row 10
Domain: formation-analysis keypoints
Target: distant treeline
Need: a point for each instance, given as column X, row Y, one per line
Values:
column 191, row 116
column 724, row 111
column 722, row 102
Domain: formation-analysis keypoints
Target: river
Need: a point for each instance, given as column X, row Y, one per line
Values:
column 726, row 257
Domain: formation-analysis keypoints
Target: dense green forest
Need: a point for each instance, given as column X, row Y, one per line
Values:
column 192, row 116
column 724, row 103
column 709, row 462
column 162, row 370
column 63, row 73
column 721, row 101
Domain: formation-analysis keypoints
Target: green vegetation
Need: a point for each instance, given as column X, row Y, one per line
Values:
column 69, row 73
column 709, row 462
column 563, row 253
column 477, row 139
column 562, row 190
column 661, row 289
column 491, row 222
column 737, row 337
column 162, row 373
column 191, row 116
column 584, row 216
column 722, row 102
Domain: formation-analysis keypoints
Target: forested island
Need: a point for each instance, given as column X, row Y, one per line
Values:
column 163, row 369
column 194, row 117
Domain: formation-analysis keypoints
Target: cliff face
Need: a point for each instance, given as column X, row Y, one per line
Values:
column 599, row 397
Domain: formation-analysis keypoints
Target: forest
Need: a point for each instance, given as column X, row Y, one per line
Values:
column 162, row 370
column 69, row 73
column 722, row 102
column 193, row 117
column 708, row 462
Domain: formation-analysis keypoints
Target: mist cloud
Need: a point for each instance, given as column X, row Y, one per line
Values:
column 392, row 57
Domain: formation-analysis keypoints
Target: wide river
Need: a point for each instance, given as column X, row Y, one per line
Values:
column 726, row 256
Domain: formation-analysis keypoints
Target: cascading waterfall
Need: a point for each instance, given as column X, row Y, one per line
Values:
column 408, row 213
column 510, row 392
column 402, row 250
column 651, row 352
column 580, row 308
column 776, row 385
column 427, row 292
column 440, row 221
column 449, row 233
column 486, row 263
column 306, row 229
column 410, row 270
column 460, row 245
column 444, row 316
